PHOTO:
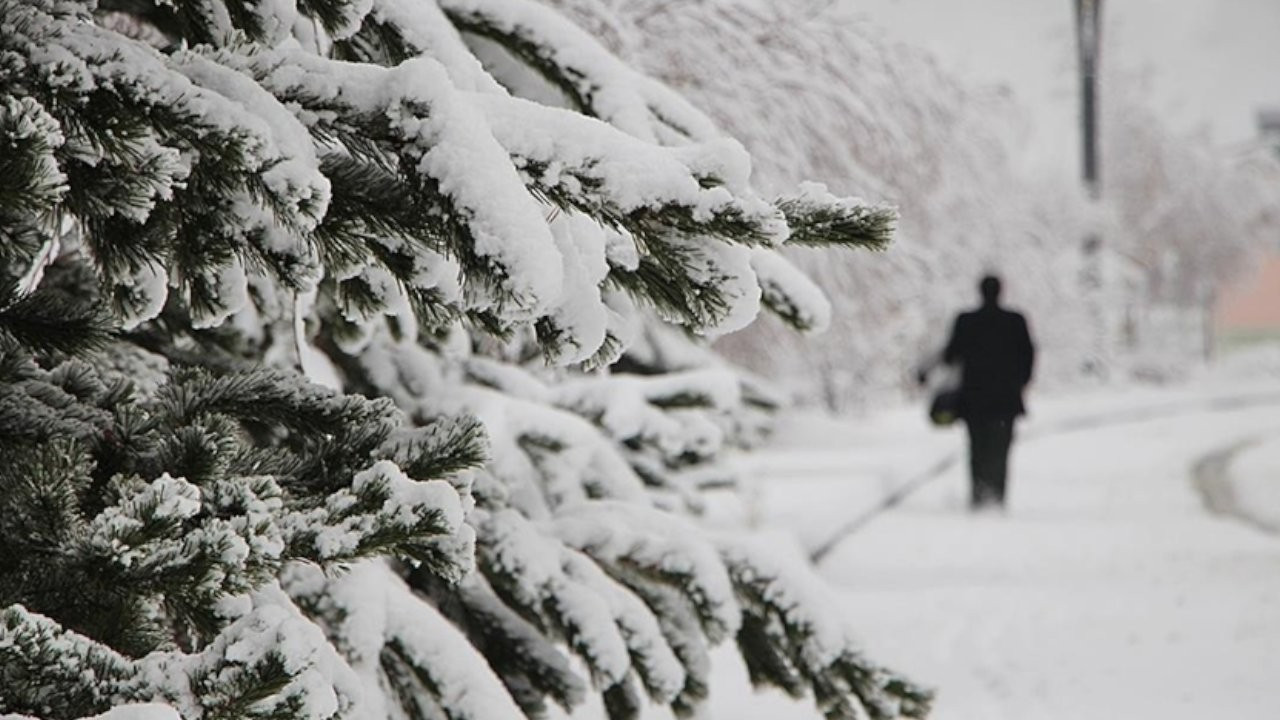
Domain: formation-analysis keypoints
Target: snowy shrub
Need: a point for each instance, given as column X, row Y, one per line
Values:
column 350, row 367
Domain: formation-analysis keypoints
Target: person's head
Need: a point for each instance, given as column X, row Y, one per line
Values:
column 990, row 289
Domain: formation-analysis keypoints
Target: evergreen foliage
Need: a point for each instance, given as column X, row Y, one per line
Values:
column 340, row 378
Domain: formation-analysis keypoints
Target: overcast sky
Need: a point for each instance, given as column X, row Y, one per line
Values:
column 1209, row 63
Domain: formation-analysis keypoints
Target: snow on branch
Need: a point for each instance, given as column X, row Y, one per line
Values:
column 790, row 638
column 48, row 670
column 531, row 664
column 490, row 223
column 664, row 425
column 383, row 511
column 582, row 163
column 406, row 654
column 789, row 293
column 526, row 567
column 266, row 660
column 598, row 83
column 150, row 174
column 396, row 30
column 665, row 546
column 475, row 516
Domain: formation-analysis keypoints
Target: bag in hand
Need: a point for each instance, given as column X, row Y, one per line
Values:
column 944, row 408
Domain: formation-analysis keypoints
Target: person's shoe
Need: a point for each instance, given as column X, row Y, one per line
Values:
column 987, row 507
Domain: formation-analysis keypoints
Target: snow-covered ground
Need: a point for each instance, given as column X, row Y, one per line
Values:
column 1255, row 478
column 1107, row 589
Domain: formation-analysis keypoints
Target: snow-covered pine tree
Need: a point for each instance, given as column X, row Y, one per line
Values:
column 313, row 394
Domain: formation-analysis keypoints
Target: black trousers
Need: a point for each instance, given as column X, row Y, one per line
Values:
column 989, row 441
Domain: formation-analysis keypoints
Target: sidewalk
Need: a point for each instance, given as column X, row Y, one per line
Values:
column 855, row 464
column 1107, row 590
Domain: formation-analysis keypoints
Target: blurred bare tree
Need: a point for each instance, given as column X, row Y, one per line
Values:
column 819, row 94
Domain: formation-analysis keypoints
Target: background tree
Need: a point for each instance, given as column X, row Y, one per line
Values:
column 308, row 317
column 824, row 95
column 1187, row 215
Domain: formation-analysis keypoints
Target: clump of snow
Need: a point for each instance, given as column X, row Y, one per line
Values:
column 274, row 632
column 728, row 269
column 583, row 464
column 315, row 365
column 25, row 121
column 147, row 291
column 786, row 288
column 792, row 589
column 579, row 315
column 655, row 660
column 164, row 500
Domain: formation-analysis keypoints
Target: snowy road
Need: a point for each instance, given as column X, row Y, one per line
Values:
column 1108, row 590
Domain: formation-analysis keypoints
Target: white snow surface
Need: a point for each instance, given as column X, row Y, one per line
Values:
column 1255, row 481
column 1107, row 588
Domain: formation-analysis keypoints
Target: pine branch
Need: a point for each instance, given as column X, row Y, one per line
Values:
column 400, row 133
column 40, row 488
column 384, row 513
column 530, row 665
column 336, row 16
column 441, row 447
column 378, row 42
column 49, row 320
column 49, row 672
column 30, row 180
column 825, row 220
column 678, row 619
column 274, row 397
column 787, row 643
column 238, row 174
column 524, row 44
column 372, row 203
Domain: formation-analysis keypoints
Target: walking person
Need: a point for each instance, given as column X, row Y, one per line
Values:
column 992, row 347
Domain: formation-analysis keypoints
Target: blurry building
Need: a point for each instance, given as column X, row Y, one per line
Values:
column 1269, row 127
column 1249, row 310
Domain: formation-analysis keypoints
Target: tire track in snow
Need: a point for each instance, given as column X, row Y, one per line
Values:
column 1212, row 477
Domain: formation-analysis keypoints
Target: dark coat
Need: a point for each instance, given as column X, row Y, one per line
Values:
column 993, row 348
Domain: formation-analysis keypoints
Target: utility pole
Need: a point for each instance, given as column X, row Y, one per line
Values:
column 1088, row 41
column 1088, row 44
